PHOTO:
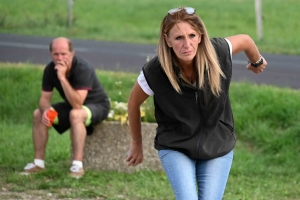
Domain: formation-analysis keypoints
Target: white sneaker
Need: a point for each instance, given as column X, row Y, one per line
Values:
column 31, row 168
column 76, row 171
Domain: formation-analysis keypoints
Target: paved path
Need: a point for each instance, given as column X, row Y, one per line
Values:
column 283, row 71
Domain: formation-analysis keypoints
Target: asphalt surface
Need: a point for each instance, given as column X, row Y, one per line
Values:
column 282, row 70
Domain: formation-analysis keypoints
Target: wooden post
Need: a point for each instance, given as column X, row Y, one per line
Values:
column 259, row 23
column 70, row 16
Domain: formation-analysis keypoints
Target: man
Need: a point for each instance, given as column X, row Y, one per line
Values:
column 85, row 104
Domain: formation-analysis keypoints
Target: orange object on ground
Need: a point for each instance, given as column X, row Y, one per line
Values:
column 51, row 114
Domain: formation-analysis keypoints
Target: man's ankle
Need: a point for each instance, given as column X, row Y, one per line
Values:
column 39, row 162
column 78, row 163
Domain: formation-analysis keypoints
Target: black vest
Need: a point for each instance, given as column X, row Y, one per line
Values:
column 188, row 119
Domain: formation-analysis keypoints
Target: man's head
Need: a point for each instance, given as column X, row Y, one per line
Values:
column 61, row 50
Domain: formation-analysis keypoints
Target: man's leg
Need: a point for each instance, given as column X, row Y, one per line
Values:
column 40, row 135
column 40, row 139
column 78, row 132
column 78, row 118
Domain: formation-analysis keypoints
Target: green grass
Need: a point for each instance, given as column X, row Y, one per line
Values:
column 139, row 21
column 266, row 156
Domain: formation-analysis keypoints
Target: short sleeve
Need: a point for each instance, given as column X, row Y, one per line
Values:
column 230, row 47
column 47, row 81
column 144, row 85
column 82, row 77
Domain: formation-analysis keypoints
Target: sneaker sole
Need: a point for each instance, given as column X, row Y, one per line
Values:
column 25, row 173
column 75, row 176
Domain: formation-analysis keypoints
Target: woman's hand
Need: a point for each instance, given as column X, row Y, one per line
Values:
column 135, row 156
column 258, row 69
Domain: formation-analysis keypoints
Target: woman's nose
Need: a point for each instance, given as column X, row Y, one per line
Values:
column 186, row 43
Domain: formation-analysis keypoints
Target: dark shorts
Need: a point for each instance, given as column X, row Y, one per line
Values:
column 99, row 113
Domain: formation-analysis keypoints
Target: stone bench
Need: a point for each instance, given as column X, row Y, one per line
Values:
column 106, row 148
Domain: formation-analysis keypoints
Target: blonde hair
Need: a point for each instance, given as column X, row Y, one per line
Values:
column 205, row 60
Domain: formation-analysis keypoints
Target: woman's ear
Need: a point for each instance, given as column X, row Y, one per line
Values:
column 167, row 40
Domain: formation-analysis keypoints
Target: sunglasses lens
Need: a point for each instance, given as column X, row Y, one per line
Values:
column 189, row 10
column 173, row 10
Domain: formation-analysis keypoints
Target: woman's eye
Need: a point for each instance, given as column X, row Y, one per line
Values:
column 192, row 35
column 178, row 38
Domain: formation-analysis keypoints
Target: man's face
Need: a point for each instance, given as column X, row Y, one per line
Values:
column 61, row 53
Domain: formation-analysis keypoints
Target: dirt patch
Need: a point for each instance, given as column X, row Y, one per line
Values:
column 6, row 194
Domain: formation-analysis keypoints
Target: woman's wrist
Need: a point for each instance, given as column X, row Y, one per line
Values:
column 258, row 62
column 136, row 140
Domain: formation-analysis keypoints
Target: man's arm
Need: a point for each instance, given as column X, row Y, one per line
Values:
column 75, row 97
column 45, row 101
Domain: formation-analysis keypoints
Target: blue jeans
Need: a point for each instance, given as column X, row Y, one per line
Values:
column 185, row 174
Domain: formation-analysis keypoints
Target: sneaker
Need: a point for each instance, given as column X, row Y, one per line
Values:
column 76, row 171
column 31, row 168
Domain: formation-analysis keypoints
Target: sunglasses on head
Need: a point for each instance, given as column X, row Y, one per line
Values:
column 189, row 10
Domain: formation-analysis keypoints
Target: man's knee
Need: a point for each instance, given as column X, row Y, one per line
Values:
column 37, row 115
column 78, row 115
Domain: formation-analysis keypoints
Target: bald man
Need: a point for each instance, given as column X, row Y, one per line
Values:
column 85, row 104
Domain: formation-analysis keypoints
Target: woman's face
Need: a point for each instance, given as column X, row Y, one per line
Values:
column 184, row 40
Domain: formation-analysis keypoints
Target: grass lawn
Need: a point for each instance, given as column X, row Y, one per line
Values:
column 265, row 163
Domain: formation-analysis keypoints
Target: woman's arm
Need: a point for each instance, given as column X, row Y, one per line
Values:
column 136, row 98
column 245, row 43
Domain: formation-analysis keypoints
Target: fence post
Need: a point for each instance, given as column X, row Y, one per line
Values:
column 70, row 16
column 259, row 23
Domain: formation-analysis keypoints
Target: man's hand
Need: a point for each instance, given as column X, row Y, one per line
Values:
column 45, row 119
column 61, row 68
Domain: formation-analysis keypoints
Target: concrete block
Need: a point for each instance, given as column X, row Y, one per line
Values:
column 106, row 148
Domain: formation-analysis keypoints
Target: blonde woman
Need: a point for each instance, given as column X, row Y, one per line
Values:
column 189, row 81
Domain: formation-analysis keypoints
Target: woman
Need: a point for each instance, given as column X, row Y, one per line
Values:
column 189, row 81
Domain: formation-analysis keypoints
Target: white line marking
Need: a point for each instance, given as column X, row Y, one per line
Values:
column 33, row 46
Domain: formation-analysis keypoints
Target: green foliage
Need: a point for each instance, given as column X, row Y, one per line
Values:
column 139, row 21
column 266, row 154
column 268, row 118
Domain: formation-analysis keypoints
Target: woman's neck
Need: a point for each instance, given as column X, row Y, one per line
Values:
column 188, row 71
